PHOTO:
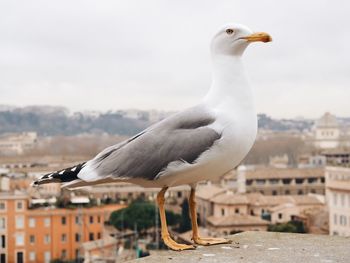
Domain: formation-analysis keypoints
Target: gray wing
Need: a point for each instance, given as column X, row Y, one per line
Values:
column 181, row 137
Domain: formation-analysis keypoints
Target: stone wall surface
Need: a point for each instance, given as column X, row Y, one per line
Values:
column 263, row 247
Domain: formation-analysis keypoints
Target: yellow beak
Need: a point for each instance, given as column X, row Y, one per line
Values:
column 260, row 36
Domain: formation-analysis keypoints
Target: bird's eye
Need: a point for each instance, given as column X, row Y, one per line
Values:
column 229, row 31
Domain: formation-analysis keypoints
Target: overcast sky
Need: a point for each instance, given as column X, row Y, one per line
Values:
column 102, row 55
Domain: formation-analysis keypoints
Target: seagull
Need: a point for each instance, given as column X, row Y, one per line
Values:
column 200, row 143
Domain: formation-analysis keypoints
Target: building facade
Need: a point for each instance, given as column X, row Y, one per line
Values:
column 327, row 132
column 338, row 200
column 286, row 181
column 43, row 234
column 17, row 143
column 337, row 157
column 226, row 212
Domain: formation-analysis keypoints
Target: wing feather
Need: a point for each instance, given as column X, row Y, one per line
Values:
column 181, row 138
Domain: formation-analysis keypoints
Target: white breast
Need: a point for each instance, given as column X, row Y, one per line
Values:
column 238, row 132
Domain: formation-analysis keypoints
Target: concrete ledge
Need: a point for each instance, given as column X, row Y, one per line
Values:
column 264, row 247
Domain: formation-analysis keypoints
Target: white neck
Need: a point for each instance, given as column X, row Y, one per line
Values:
column 230, row 85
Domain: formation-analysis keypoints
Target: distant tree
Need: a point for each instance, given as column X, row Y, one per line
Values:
column 185, row 223
column 62, row 201
column 107, row 200
column 142, row 214
column 290, row 227
column 50, row 121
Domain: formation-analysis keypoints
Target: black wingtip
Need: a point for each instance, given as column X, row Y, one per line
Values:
column 62, row 176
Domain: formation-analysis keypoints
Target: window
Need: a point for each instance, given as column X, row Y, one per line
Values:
column 273, row 181
column 31, row 222
column 91, row 236
column 3, row 241
column 335, row 199
column 32, row 256
column 47, row 256
column 19, row 257
column 77, row 253
column 64, row 238
column 77, row 237
column 179, row 194
column 299, row 180
column 3, row 206
column 63, row 220
column 3, row 257
column 222, row 211
column 19, row 205
column 91, row 219
column 47, row 239
column 2, row 223
column 287, row 192
column 335, row 219
column 286, row 181
column 19, row 239
column 342, row 200
column 260, row 181
column 300, row 192
column 77, row 220
column 280, row 215
column 64, row 253
column 32, row 239
column 312, row 180
column 237, row 210
column 98, row 219
column 19, row 222
column 47, row 221
column 343, row 220
column 274, row 192
column 99, row 235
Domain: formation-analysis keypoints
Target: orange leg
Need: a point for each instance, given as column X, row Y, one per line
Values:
column 205, row 241
column 164, row 228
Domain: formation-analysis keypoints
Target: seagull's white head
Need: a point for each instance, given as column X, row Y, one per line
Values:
column 232, row 39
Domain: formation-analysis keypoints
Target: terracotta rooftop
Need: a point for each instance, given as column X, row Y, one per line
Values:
column 281, row 173
column 282, row 207
column 229, row 198
column 306, row 200
column 339, row 185
column 260, row 199
column 219, row 195
column 207, row 192
column 295, row 199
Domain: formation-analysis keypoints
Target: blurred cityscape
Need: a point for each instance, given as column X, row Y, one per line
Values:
column 295, row 179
